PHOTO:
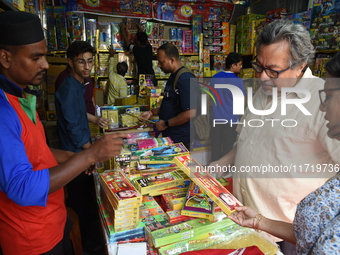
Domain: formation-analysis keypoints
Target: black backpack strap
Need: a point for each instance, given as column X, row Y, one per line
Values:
column 181, row 71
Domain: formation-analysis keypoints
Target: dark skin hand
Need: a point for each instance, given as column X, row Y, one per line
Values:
column 103, row 149
column 61, row 156
column 181, row 118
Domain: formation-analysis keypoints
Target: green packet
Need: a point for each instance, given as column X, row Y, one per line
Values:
column 204, row 241
column 156, row 159
column 185, row 230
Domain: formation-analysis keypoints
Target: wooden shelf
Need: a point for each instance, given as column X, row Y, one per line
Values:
column 326, row 51
column 55, row 52
column 106, row 77
column 218, row 53
column 188, row 54
column 181, row 54
column 117, row 51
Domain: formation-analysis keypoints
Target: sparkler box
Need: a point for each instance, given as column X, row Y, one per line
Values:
column 213, row 188
column 175, row 149
column 153, row 182
column 176, row 217
column 113, row 235
column 184, row 230
column 156, row 159
column 119, row 189
column 197, row 204
column 130, row 211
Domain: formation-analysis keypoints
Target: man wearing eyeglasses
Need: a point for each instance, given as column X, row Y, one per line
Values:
column 74, row 134
column 296, row 152
column 88, row 97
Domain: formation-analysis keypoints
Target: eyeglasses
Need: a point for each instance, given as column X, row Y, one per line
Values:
column 271, row 73
column 323, row 97
column 83, row 62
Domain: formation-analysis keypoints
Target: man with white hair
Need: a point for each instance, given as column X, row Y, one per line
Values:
column 295, row 145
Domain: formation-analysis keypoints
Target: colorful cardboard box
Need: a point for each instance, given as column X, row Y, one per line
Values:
column 175, row 233
column 156, row 159
column 151, row 212
column 76, row 26
column 119, row 213
column 198, row 204
column 90, row 30
column 205, row 240
column 153, row 182
column 61, row 27
column 120, row 190
column 176, row 217
column 153, row 142
column 214, row 189
column 109, row 228
column 51, row 35
column 175, row 149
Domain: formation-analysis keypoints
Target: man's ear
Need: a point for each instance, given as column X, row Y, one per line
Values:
column 302, row 67
column 70, row 62
column 5, row 58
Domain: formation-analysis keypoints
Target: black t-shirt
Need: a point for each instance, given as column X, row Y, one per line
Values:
column 173, row 104
column 143, row 57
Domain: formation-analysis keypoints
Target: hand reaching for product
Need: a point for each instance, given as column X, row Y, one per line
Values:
column 91, row 170
column 102, row 122
column 145, row 115
column 112, row 51
column 106, row 147
column 244, row 216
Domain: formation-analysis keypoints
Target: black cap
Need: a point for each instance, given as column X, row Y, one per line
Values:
column 20, row 28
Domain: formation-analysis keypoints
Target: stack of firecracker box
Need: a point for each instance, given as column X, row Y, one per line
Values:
column 246, row 32
column 158, row 193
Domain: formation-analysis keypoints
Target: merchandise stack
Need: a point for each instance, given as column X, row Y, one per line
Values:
column 151, row 211
column 246, row 32
column 121, row 200
column 160, row 194
column 325, row 27
column 148, row 93
column 279, row 13
column 219, row 37
column 302, row 18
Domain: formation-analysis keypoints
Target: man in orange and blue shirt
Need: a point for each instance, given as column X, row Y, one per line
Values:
column 32, row 210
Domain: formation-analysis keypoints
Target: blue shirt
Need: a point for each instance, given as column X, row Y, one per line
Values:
column 17, row 179
column 72, row 120
column 317, row 220
column 173, row 104
column 225, row 110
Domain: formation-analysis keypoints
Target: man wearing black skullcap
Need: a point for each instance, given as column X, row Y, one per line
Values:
column 74, row 135
column 32, row 176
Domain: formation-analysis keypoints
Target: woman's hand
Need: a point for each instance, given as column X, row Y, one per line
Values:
column 244, row 216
